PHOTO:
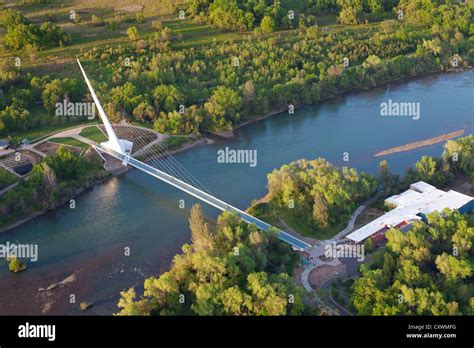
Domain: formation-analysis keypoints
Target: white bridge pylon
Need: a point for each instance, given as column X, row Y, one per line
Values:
column 121, row 146
column 121, row 149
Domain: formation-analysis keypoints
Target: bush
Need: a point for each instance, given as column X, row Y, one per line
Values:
column 16, row 265
column 140, row 17
column 97, row 21
column 157, row 25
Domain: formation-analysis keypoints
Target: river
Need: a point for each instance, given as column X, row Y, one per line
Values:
column 138, row 212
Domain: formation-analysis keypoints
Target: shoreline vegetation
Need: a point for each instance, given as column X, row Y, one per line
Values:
column 422, row 143
column 209, row 257
column 51, row 184
column 194, row 142
column 314, row 183
column 374, row 46
column 34, row 215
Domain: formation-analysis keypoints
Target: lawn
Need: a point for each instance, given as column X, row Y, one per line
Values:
column 173, row 143
column 93, row 133
column 6, row 178
column 39, row 133
column 70, row 142
column 279, row 217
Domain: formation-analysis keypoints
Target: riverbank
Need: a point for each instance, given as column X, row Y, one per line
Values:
column 142, row 213
column 111, row 170
column 230, row 133
column 193, row 142
column 75, row 194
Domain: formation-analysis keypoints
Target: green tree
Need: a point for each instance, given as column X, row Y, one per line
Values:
column 426, row 168
column 10, row 18
column 388, row 180
column 167, row 98
column 15, row 265
column 452, row 267
column 144, row 112
column 66, row 165
column 460, row 155
column 226, row 15
column 200, row 230
column 268, row 24
column 350, row 11
column 132, row 33
column 223, row 106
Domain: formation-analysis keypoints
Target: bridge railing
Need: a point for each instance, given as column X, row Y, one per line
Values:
column 209, row 199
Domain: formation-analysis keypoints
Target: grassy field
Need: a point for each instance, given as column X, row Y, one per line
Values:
column 118, row 17
column 60, row 61
column 94, row 134
column 37, row 134
column 173, row 143
column 282, row 218
column 70, row 142
column 6, row 178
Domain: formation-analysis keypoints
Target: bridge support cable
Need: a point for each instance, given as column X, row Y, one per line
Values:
column 138, row 136
column 111, row 133
column 158, row 154
column 295, row 242
column 121, row 149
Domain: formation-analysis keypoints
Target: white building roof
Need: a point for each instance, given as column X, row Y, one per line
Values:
column 420, row 198
column 403, row 199
column 422, row 186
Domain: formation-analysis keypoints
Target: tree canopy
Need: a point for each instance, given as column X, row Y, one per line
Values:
column 230, row 268
column 319, row 193
column 425, row 271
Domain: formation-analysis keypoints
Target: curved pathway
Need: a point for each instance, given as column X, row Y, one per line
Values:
column 319, row 250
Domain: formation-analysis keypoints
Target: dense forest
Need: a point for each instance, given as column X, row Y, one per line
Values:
column 316, row 195
column 50, row 183
column 231, row 268
column 426, row 271
column 213, row 87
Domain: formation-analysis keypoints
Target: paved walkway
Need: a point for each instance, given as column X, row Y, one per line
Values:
column 158, row 140
column 7, row 168
column 39, row 153
column 8, row 188
column 84, row 139
column 313, row 265
column 319, row 249
column 327, row 285
column 350, row 224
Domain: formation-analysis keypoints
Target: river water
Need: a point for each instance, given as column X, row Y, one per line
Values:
column 138, row 212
